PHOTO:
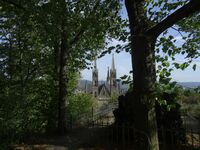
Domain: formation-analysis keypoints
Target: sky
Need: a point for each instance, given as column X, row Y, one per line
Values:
column 123, row 64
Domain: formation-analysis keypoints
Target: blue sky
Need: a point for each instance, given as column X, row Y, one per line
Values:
column 123, row 65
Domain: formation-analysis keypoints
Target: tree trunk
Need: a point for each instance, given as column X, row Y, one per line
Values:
column 53, row 106
column 142, row 112
column 62, row 86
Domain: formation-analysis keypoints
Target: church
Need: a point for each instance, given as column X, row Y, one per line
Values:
column 105, row 90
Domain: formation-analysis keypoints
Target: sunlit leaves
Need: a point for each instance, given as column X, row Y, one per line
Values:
column 79, row 104
column 157, row 10
column 30, row 40
column 194, row 67
column 126, row 79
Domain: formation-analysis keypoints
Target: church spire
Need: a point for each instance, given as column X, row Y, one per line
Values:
column 108, row 76
column 113, row 63
column 86, row 86
column 95, row 63
column 95, row 79
column 113, row 76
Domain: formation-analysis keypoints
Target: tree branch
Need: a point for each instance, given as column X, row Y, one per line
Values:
column 135, row 9
column 14, row 4
column 179, row 33
column 185, row 11
column 76, row 38
column 83, row 28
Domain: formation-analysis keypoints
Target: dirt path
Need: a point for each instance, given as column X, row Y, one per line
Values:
column 78, row 139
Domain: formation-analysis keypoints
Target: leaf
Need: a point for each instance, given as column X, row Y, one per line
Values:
column 194, row 67
column 184, row 65
column 168, row 74
column 123, row 77
column 169, row 52
column 177, row 65
column 131, row 71
column 111, row 48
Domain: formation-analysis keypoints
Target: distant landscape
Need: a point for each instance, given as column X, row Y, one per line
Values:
column 189, row 85
column 83, row 82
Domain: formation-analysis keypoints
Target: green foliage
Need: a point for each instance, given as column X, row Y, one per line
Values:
column 32, row 36
column 179, row 40
column 30, row 53
column 190, row 100
column 126, row 79
column 196, row 111
column 168, row 116
column 25, row 76
column 171, row 88
column 80, row 104
column 114, row 97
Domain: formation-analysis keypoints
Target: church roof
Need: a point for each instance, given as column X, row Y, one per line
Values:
column 104, row 90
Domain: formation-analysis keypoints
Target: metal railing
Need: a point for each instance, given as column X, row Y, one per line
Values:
column 93, row 116
column 127, row 137
column 102, row 131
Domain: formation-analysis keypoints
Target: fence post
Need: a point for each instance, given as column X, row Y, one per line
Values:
column 123, row 136
column 92, row 113
column 172, row 137
column 88, row 136
column 102, row 122
column 112, row 132
column 163, row 137
column 192, row 138
column 71, row 122
column 117, row 134
column 128, row 134
column 88, row 121
column 93, row 117
column 199, row 137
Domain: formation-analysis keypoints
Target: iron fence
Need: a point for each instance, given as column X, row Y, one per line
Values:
column 126, row 137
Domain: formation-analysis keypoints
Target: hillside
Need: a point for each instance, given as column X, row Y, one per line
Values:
column 82, row 84
column 189, row 84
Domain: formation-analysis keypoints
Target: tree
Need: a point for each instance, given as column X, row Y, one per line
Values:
column 81, row 106
column 144, row 33
column 71, row 32
column 81, row 31
column 26, row 83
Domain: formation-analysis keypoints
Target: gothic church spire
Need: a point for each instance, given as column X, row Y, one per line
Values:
column 95, row 64
column 95, row 79
column 113, row 63
column 108, row 76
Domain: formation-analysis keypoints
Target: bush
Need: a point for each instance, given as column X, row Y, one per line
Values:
column 167, row 114
column 80, row 104
column 114, row 97
column 169, row 118
column 191, row 104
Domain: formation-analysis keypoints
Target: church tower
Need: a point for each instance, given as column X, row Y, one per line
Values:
column 95, row 80
column 108, row 77
column 113, row 76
